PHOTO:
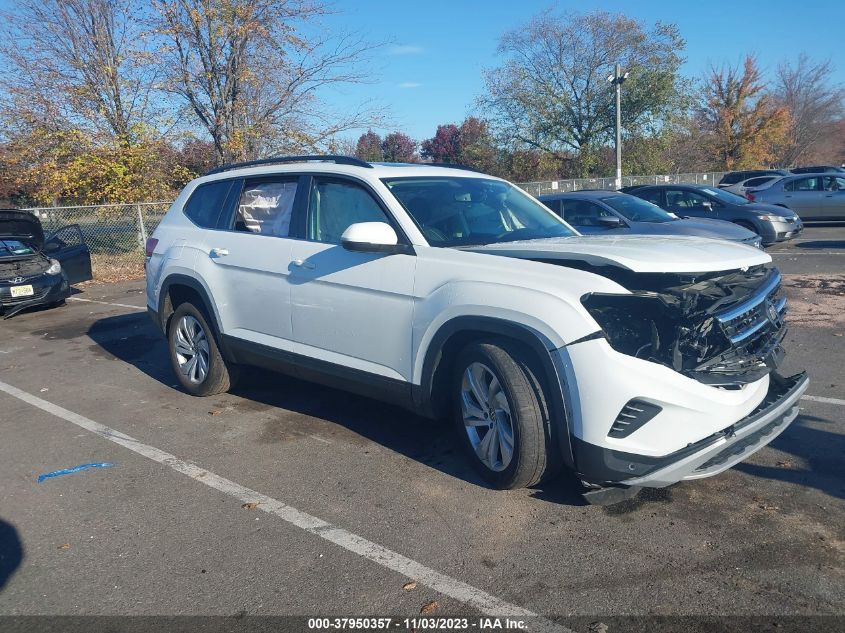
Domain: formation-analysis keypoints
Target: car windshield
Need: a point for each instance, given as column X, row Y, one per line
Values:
column 724, row 196
column 14, row 248
column 456, row 211
column 638, row 210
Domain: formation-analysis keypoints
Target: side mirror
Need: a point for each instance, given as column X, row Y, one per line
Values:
column 371, row 237
column 610, row 222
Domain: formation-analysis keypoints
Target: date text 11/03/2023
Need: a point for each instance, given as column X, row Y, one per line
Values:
column 417, row 624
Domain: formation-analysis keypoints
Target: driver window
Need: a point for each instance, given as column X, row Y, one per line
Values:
column 583, row 213
column 834, row 183
column 685, row 199
column 334, row 205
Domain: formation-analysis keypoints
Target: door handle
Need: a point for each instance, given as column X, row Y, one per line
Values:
column 301, row 263
column 218, row 252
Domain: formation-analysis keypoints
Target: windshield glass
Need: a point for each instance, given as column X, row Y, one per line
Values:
column 725, row 196
column 637, row 209
column 14, row 248
column 455, row 211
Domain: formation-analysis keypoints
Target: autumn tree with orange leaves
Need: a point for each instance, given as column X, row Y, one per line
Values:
column 742, row 122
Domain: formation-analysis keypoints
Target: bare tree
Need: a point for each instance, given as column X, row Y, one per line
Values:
column 252, row 77
column 552, row 93
column 815, row 103
column 79, row 62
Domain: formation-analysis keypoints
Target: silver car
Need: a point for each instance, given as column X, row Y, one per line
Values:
column 811, row 196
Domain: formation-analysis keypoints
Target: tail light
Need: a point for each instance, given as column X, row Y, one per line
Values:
column 749, row 196
column 150, row 246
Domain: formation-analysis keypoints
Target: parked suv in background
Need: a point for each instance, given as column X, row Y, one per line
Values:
column 733, row 177
column 812, row 196
column 772, row 223
column 818, row 169
column 634, row 360
column 614, row 213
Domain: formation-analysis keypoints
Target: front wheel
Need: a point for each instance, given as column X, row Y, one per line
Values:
column 196, row 359
column 502, row 416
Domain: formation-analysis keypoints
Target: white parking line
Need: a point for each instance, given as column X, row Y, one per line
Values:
column 446, row 585
column 107, row 303
column 824, row 400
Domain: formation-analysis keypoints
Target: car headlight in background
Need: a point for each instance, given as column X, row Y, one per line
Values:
column 55, row 267
column 772, row 218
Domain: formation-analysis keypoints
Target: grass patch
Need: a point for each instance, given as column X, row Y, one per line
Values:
column 111, row 267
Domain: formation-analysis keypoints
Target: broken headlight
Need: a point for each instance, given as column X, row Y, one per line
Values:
column 55, row 267
column 632, row 324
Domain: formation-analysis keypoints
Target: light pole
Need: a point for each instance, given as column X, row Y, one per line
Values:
column 617, row 78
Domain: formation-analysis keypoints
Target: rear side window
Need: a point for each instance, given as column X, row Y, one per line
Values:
column 733, row 178
column 803, row 184
column 553, row 205
column 206, row 203
column 760, row 180
column 650, row 195
column 266, row 207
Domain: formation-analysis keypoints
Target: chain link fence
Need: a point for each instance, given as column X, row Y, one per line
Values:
column 115, row 233
column 578, row 184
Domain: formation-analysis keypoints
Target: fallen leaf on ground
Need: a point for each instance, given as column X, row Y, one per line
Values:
column 409, row 586
column 64, row 546
column 763, row 506
column 598, row 627
column 215, row 412
column 787, row 463
column 428, row 607
column 252, row 505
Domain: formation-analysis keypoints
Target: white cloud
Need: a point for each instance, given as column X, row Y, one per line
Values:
column 405, row 49
column 409, row 84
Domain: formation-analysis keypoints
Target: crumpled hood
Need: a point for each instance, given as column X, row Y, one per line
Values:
column 22, row 226
column 702, row 227
column 638, row 253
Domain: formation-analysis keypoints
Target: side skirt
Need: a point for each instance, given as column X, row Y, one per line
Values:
column 363, row 383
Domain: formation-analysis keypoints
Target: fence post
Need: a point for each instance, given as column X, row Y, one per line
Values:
column 142, row 231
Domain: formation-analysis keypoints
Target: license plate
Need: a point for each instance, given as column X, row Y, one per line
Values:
column 22, row 291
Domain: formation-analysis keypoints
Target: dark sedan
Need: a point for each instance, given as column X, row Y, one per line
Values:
column 34, row 271
column 770, row 222
column 604, row 212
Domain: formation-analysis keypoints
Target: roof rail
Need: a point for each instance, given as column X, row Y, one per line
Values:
column 279, row 160
column 453, row 166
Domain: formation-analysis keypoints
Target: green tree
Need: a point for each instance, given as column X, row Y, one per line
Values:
column 551, row 93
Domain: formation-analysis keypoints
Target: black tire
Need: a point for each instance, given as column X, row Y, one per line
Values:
column 221, row 375
column 534, row 449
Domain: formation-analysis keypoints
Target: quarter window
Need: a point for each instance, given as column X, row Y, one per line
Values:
column 335, row 205
column 206, row 202
column 266, row 207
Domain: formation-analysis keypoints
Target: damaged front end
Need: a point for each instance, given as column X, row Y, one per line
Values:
column 721, row 329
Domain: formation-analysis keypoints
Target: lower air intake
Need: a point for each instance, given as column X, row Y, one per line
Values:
column 632, row 416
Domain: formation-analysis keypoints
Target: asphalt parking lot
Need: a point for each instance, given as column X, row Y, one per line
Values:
column 356, row 499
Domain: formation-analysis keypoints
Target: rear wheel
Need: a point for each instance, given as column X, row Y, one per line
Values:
column 195, row 356
column 501, row 415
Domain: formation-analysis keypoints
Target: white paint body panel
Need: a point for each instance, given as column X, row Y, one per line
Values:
column 379, row 313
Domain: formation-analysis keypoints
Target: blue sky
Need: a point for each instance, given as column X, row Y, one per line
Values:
column 431, row 73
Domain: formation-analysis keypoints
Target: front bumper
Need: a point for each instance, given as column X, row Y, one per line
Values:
column 708, row 456
column 787, row 230
column 47, row 289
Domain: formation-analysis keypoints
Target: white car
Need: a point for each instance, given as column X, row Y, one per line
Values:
column 758, row 181
column 634, row 360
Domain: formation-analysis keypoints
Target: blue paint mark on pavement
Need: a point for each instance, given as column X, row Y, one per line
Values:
column 70, row 471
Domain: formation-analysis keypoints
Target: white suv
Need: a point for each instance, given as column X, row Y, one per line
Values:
column 634, row 360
